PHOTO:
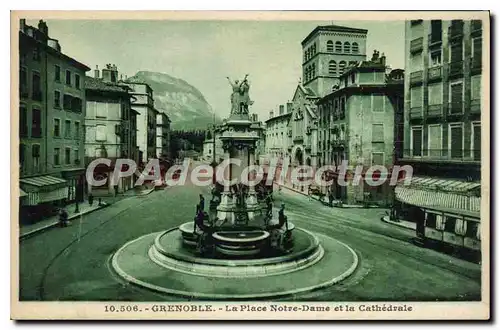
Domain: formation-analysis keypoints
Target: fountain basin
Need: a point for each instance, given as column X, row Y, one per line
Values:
column 240, row 243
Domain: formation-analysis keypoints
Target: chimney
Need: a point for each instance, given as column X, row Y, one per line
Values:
column 382, row 59
column 22, row 24
column 42, row 26
column 282, row 109
column 289, row 107
column 271, row 114
column 96, row 72
column 255, row 118
column 110, row 74
column 375, row 56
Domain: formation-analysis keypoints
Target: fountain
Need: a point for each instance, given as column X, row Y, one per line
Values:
column 240, row 238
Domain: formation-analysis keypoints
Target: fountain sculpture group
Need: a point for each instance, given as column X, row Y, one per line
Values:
column 239, row 237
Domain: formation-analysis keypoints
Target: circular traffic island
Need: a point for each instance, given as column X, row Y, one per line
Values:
column 163, row 263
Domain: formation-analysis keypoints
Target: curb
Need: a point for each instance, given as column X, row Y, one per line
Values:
column 385, row 219
column 56, row 223
column 223, row 296
column 345, row 206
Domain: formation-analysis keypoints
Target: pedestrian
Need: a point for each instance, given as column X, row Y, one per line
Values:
column 63, row 217
column 91, row 199
column 330, row 198
column 202, row 203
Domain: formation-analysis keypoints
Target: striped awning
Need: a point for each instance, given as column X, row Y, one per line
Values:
column 42, row 183
column 438, row 199
column 439, row 193
column 439, row 184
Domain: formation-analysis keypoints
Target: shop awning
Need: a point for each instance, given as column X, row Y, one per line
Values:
column 42, row 183
column 45, row 188
column 440, row 194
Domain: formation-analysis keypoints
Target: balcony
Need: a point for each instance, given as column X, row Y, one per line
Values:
column 36, row 95
column 475, row 106
column 416, row 77
column 435, row 41
column 416, row 113
column 456, row 108
column 298, row 138
column 439, row 155
column 23, row 91
column 339, row 143
column 456, row 69
column 434, row 73
column 476, row 28
column 417, row 45
column 435, row 111
column 456, row 29
column 476, row 64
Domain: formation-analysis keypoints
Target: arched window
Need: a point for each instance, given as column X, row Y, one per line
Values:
column 314, row 48
column 338, row 47
column 329, row 46
column 355, row 48
column 332, row 67
column 305, row 56
column 313, row 69
column 347, row 47
column 341, row 67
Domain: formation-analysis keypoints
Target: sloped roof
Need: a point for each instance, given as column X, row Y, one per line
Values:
column 100, row 85
column 334, row 28
column 311, row 112
column 307, row 91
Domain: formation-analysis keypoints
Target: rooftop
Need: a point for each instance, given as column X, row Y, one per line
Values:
column 100, row 85
column 333, row 28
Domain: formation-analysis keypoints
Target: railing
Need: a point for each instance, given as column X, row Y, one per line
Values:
column 456, row 29
column 456, row 69
column 476, row 27
column 417, row 45
column 36, row 95
column 435, row 110
column 416, row 112
column 298, row 138
column 444, row 154
column 434, row 73
column 476, row 63
column 475, row 106
column 456, row 108
column 23, row 91
column 435, row 40
column 416, row 77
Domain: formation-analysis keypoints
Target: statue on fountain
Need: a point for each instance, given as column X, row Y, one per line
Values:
column 240, row 99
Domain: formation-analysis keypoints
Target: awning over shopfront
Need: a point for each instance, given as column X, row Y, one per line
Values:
column 42, row 189
column 440, row 194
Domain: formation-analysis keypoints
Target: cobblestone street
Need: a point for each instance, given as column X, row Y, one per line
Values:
column 73, row 263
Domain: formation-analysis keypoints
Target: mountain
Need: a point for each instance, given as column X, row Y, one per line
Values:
column 183, row 103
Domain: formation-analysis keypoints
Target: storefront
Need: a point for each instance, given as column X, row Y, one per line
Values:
column 43, row 195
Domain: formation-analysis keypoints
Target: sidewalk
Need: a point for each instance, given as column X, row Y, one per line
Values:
column 336, row 203
column 400, row 223
column 26, row 231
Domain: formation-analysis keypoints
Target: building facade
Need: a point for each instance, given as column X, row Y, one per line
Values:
column 327, row 51
column 110, row 128
column 143, row 103
column 163, row 136
column 52, row 113
column 303, row 131
column 357, row 124
column 277, row 133
column 442, row 119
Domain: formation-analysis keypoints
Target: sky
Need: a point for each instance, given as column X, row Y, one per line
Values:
column 203, row 53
